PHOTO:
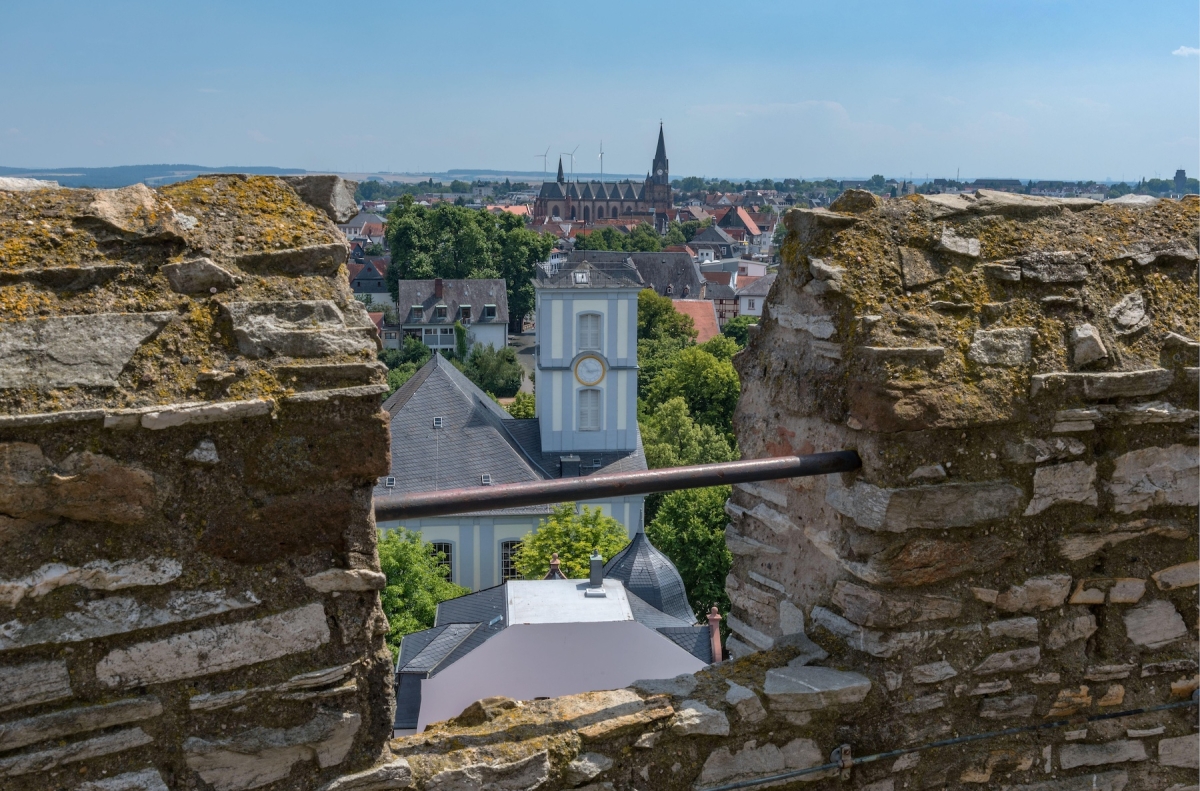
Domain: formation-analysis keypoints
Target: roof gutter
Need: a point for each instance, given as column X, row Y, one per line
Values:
column 621, row 484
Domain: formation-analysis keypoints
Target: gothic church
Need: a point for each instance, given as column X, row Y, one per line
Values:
column 592, row 201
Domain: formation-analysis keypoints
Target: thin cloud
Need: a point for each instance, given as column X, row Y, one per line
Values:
column 1186, row 52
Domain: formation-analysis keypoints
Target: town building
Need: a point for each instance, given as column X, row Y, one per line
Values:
column 753, row 294
column 704, row 317
column 365, row 227
column 447, row 433
column 722, row 291
column 648, row 201
column 368, row 280
column 669, row 274
column 428, row 309
column 719, row 241
column 528, row 639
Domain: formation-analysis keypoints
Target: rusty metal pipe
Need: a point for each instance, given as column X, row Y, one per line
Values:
column 619, row 484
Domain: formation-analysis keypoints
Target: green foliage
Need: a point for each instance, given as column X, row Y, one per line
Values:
column 494, row 371
column 456, row 242
column 738, row 329
column 657, row 318
column 373, row 249
column 416, row 582
column 460, row 340
column 573, row 536
column 523, row 406
column 722, row 347
column 673, row 439
column 654, row 355
column 643, row 239
column 708, row 385
column 689, row 528
column 460, row 187
column 402, row 363
column 876, row 182
column 397, row 376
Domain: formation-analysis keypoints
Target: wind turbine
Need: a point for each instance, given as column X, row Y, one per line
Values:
column 571, row 154
column 602, row 161
column 543, row 156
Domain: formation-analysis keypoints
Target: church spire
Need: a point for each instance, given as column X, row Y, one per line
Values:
column 560, row 173
column 660, row 173
column 661, row 152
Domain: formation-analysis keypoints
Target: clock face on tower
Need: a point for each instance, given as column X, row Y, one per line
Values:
column 660, row 171
column 589, row 371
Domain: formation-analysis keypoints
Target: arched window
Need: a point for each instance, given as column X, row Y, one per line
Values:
column 589, row 331
column 599, row 212
column 589, row 410
column 508, row 566
column 587, row 214
column 557, row 212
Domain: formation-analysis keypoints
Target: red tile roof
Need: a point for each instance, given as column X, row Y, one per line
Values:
column 704, row 316
column 718, row 277
column 377, row 318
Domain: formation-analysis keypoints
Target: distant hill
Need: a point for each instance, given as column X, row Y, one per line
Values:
column 124, row 175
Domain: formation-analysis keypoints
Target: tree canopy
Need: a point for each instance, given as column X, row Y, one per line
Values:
column 738, row 329
column 709, row 386
column 402, row 363
column 658, row 319
column 672, row 438
column 643, row 239
column 689, row 528
column 494, row 371
column 573, row 536
column 416, row 583
column 524, row 405
column 456, row 242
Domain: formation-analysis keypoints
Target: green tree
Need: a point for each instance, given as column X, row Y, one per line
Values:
column 416, row 583
column 674, row 235
column 654, row 355
column 459, row 186
column 573, row 536
column 460, row 340
column 524, row 405
column 644, row 239
column 708, row 385
column 396, row 377
column 402, row 363
column 722, row 347
column 494, row 371
column 672, row 439
column 738, row 329
column 657, row 318
column 689, row 528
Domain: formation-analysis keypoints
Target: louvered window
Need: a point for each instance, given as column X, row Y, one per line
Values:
column 589, row 410
column 589, row 331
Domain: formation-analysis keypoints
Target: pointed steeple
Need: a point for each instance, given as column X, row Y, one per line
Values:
column 660, row 173
column 560, row 173
column 660, row 153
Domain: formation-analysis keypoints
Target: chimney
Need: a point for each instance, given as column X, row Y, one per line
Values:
column 595, row 588
column 569, row 466
column 437, row 287
column 714, row 633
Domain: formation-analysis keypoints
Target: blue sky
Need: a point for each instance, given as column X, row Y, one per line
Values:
column 1019, row 88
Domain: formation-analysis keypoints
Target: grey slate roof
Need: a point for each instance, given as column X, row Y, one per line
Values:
column 657, row 270
column 651, row 576
column 604, row 272
column 758, row 288
column 476, row 292
column 477, row 437
column 693, row 639
column 593, row 190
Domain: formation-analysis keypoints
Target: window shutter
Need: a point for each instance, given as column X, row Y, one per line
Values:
column 589, row 410
column 589, row 331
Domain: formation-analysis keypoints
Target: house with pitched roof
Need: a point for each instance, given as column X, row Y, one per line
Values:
column 527, row 639
column 448, row 434
column 428, row 309
column 753, row 294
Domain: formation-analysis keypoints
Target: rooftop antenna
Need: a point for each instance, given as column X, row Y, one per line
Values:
column 543, row 156
column 572, row 156
column 601, row 161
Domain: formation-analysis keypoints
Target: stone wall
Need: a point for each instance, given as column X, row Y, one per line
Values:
column 1019, row 377
column 189, row 434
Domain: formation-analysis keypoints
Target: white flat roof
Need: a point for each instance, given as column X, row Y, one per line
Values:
column 563, row 601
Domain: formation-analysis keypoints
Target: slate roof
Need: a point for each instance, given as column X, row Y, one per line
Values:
column 759, row 287
column 713, row 233
column 476, row 292
column 604, row 272
column 651, row 576
column 657, row 270
column 477, row 436
column 593, row 190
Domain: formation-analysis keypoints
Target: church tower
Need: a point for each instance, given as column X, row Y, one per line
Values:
column 658, row 185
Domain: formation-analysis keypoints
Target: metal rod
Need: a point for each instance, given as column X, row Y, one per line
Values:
column 620, row 484
column 866, row 759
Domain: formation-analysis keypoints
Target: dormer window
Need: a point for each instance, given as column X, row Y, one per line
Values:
column 440, row 312
column 489, row 312
column 464, row 314
column 581, row 278
column 418, row 312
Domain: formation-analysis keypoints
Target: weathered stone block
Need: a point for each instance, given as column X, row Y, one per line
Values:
column 322, row 260
column 1066, row 632
column 86, row 487
column 145, row 780
column 1009, row 661
column 33, row 682
column 679, row 687
column 298, row 329
column 749, row 708
column 1182, row 575
column 346, row 580
column 1017, row 628
column 812, row 688
column 752, row 761
column 696, row 718
column 587, row 767
column 1100, row 386
column 328, row 192
column 1008, row 347
column 1152, row 477
column 1074, row 755
column 1154, row 624
column 1070, row 701
column 44, row 760
column 260, row 756
column 925, row 507
column 1182, row 751
column 65, row 351
column 933, row 672
column 1007, row 708
column 198, row 276
column 1086, row 345
column 527, row 773
column 1053, row 267
column 44, row 727
column 916, row 268
column 868, row 607
column 1129, row 314
column 394, row 774
column 1073, row 482
column 215, row 650
column 951, row 242
column 96, row 575
column 1039, row 593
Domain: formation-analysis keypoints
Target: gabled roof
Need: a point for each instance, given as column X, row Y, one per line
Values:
column 606, row 272
column 713, row 233
column 476, row 292
column 737, row 217
column 757, row 287
column 704, row 316
column 657, row 270
column 723, row 278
